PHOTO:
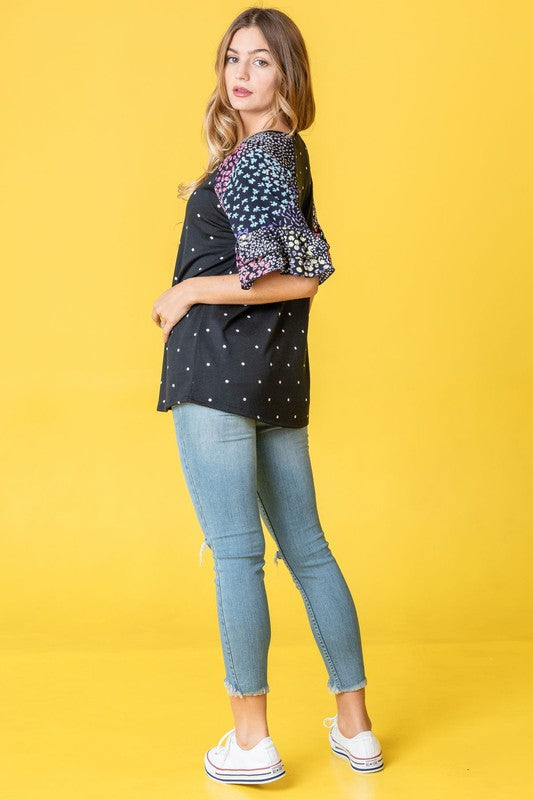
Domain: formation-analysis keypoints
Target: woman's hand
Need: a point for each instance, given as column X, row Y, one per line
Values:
column 172, row 305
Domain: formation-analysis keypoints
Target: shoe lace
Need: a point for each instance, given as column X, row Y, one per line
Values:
column 328, row 722
column 220, row 747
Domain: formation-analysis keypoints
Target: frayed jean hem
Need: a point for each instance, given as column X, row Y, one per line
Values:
column 336, row 690
column 233, row 692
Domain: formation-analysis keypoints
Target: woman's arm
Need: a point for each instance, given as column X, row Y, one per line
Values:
column 226, row 289
column 176, row 301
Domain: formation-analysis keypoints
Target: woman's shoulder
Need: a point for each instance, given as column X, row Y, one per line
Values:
column 270, row 150
column 278, row 144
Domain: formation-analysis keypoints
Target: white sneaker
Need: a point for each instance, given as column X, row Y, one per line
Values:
column 229, row 763
column 363, row 750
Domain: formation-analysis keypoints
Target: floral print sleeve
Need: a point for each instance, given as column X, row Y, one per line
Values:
column 260, row 195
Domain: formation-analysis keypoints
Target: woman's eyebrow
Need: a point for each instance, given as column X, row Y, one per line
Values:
column 259, row 50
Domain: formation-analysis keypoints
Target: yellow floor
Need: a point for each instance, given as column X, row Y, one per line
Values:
column 454, row 721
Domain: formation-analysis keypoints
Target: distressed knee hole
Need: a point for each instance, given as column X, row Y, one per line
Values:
column 202, row 548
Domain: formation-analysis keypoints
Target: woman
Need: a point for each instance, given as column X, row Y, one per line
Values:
column 236, row 377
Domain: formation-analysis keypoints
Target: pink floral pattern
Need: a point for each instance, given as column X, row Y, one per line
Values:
column 259, row 187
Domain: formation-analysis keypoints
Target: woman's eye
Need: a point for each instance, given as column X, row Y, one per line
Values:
column 228, row 58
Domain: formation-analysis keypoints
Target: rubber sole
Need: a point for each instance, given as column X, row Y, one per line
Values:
column 363, row 765
column 260, row 775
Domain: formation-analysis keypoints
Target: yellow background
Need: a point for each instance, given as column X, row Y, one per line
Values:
column 420, row 344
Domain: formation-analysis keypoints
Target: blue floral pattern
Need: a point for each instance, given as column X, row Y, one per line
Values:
column 258, row 188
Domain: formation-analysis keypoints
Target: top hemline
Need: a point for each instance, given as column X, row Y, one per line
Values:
column 230, row 410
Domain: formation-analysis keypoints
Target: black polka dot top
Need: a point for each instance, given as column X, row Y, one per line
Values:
column 252, row 215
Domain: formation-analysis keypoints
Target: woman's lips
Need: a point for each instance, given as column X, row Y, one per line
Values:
column 241, row 92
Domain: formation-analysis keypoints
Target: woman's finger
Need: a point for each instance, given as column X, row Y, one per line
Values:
column 156, row 317
column 166, row 327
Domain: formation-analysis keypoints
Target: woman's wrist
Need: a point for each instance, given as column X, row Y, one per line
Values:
column 191, row 288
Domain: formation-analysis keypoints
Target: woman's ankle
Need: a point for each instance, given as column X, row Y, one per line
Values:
column 350, row 727
column 247, row 739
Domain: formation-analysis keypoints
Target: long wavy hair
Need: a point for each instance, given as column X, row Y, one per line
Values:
column 293, row 104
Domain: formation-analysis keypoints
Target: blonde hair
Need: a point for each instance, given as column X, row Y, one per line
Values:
column 294, row 103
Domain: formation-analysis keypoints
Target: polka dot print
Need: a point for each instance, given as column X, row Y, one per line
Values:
column 255, row 214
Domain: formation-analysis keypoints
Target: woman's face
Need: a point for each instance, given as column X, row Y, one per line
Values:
column 250, row 66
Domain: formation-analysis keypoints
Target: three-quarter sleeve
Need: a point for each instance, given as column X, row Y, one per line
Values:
column 260, row 199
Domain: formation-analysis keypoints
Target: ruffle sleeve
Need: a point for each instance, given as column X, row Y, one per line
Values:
column 271, row 232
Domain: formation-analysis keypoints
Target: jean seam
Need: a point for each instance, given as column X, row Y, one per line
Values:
column 197, row 496
column 302, row 591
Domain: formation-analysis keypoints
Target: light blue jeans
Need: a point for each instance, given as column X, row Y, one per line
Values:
column 238, row 470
